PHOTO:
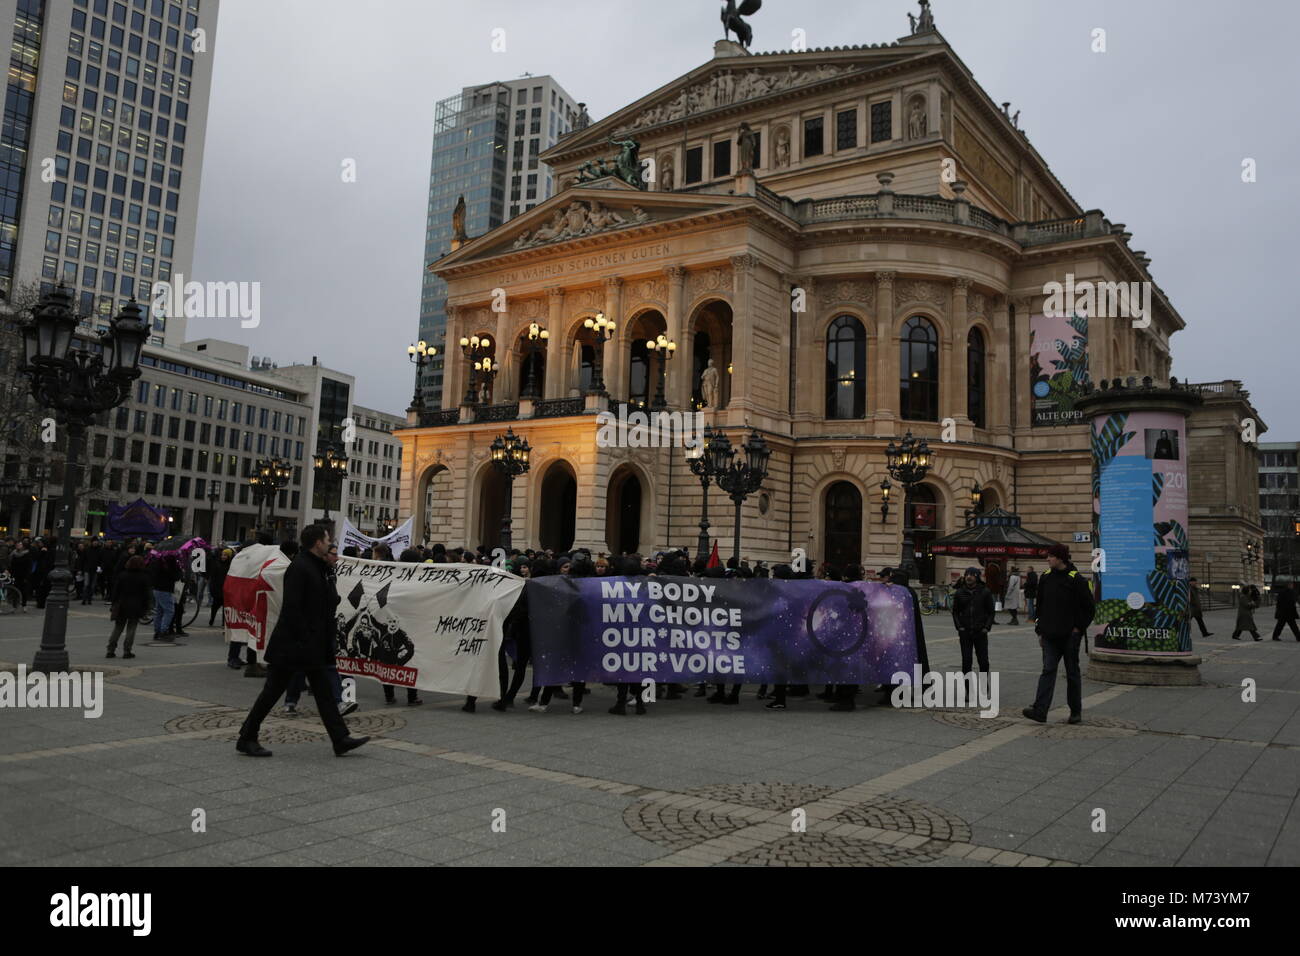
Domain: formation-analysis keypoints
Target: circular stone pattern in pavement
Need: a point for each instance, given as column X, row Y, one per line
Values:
column 1091, row 728
column 679, row 828
column 304, row 727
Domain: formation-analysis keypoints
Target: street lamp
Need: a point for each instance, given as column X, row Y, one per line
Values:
column 270, row 475
column 75, row 382
column 213, row 497
column 908, row 462
column 331, row 467
column 886, row 489
column 666, row 348
column 700, row 461
column 476, row 350
column 602, row 330
column 510, row 456
column 976, row 495
column 537, row 339
column 421, row 354
column 740, row 479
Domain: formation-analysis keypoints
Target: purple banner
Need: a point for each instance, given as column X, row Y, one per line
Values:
column 139, row 519
column 628, row 630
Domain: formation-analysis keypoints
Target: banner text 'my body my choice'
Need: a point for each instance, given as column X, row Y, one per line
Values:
column 686, row 633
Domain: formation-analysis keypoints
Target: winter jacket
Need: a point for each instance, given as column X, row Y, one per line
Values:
column 131, row 598
column 1064, row 603
column 1031, row 584
column 1011, row 600
column 1246, row 604
column 972, row 608
column 1285, row 609
column 304, row 634
column 163, row 574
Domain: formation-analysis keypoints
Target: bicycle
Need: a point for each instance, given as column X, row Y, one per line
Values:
column 10, row 594
column 937, row 598
column 188, row 595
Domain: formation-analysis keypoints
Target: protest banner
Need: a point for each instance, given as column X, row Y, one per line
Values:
column 398, row 540
column 628, row 630
column 252, row 594
column 432, row 626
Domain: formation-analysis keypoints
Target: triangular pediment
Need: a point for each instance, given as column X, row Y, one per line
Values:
column 600, row 208
column 728, row 82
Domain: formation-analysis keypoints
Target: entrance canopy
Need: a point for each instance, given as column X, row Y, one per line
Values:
column 995, row 534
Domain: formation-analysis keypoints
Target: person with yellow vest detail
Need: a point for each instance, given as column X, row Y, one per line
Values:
column 1065, row 609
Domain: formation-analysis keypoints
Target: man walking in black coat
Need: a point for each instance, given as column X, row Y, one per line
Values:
column 1285, row 611
column 303, row 640
column 972, row 615
column 1065, row 609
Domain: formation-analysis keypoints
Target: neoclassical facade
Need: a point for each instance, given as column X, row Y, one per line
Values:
column 867, row 259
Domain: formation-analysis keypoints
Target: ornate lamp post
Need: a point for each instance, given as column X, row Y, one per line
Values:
column 75, row 382
column 510, row 456
column 538, row 336
column 908, row 462
column 886, row 489
column 740, row 479
column 331, row 467
column 481, row 366
column 213, row 497
column 270, row 475
column 602, row 330
column 976, row 495
column 700, row 461
column 420, row 354
column 666, row 348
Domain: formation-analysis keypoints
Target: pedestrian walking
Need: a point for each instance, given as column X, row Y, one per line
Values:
column 129, row 605
column 1011, row 601
column 1194, row 596
column 972, row 615
column 1285, row 611
column 1065, row 609
column 164, row 572
column 1031, row 593
column 1247, row 601
column 303, row 639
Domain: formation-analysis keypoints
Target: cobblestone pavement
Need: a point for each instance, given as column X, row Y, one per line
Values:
column 1185, row 776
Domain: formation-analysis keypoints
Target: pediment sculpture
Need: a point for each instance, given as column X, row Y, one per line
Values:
column 734, row 86
column 579, row 218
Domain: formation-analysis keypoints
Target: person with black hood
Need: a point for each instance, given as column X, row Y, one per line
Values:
column 972, row 615
column 1284, row 612
column 129, row 604
column 1065, row 609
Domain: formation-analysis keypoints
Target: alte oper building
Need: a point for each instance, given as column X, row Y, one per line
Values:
column 867, row 256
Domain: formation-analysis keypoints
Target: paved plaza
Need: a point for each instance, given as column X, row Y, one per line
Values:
column 1185, row 776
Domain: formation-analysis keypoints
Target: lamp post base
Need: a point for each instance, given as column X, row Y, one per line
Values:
column 52, row 656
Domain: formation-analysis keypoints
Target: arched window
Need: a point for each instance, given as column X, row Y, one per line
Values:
column 586, row 365
column 919, row 379
column 846, row 369
column 638, row 386
column 975, row 377
column 843, row 522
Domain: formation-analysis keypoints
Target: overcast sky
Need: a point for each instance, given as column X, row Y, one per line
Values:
column 1153, row 132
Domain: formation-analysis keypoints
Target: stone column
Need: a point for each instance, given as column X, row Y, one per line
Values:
column 613, row 359
column 677, row 384
column 884, row 404
column 504, row 387
column 810, row 381
column 1001, row 365
column 557, row 346
column 742, row 332
column 958, row 378
column 453, row 363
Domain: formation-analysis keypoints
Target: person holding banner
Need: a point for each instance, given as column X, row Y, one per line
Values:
column 303, row 639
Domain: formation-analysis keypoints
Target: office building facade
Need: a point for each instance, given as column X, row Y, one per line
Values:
column 375, row 472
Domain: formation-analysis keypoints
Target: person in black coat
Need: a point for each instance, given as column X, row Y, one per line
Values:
column 303, row 640
column 1285, row 611
column 1065, row 609
column 129, row 606
column 972, row 615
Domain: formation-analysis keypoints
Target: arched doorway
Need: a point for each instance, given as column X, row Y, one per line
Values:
column 434, row 508
column 710, row 335
column 643, row 364
column 491, row 507
column 558, row 508
column 623, row 505
column 842, row 514
column 921, row 520
column 532, row 366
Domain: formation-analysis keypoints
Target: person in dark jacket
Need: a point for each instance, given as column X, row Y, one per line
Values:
column 1065, row 609
column 164, row 572
column 972, row 615
column 1194, row 596
column 303, row 639
column 1031, row 593
column 218, row 567
column 1247, row 601
column 1285, row 611
column 129, row 606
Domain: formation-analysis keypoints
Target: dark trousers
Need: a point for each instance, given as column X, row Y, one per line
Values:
column 978, row 642
column 579, row 691
column 1286, row 623
column 299, row 682
column 88, row 586
column 233, row 652
column 503, row 676
column 1196, row 616
column 523, row 654
column 277, row 682
column 1054, row 649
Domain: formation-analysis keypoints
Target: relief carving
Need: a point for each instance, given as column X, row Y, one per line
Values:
column 579, row 218
column 734, row 86
column 716, row 278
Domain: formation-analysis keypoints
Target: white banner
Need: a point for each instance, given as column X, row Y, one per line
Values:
column 397, row 541
column 432, row 626
column 252, row 595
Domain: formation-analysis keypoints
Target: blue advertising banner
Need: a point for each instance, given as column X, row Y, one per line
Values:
column 627, row 630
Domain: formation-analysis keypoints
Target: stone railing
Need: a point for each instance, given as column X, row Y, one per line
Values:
column 558, row 407
column 439, row 418
column 497, row 413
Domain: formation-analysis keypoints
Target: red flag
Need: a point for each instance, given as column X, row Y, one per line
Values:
column 713, row 557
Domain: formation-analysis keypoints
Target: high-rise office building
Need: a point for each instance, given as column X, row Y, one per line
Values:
column 486, row 143
column 1279, row 508
column 105, row 112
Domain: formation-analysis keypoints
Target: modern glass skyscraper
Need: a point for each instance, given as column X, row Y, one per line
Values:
column 486, row 141
column 105, row 110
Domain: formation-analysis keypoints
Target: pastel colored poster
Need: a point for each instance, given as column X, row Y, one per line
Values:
column 1058, row 368
column 1140, row 496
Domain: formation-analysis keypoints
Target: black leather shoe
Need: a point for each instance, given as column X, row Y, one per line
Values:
column 251, row 748
column 499, row 705
column 468, row 706
column 1075, row 719
column 348, row 743
column 619, row 710
column 1034, row 715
